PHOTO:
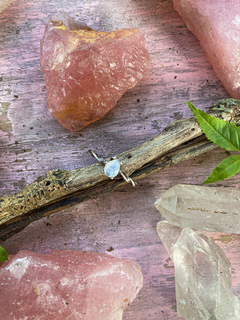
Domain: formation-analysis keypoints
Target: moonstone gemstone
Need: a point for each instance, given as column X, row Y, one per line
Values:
column 216, row 24
column 4, row 4
column 86, row 72
column 112, row 168
column 199, row 207
column 202, row 275
column 67, row 285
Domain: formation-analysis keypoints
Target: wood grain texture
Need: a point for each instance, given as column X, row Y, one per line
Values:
column 49, row 194
column 60, row 189
column 32, row 142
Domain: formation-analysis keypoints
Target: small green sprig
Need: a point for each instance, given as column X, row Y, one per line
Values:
column 3, row 254
column 225, row 135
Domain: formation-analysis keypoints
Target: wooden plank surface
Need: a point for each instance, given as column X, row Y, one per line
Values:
column 122, row 223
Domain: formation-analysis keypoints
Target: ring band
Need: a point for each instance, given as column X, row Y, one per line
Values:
column 112, row 167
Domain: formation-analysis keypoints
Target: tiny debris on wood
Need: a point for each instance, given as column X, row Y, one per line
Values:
column 59, row 189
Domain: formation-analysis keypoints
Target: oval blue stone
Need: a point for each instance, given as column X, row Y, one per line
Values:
column 112, row 168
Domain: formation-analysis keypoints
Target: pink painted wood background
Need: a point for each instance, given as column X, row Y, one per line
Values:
column 32, row 142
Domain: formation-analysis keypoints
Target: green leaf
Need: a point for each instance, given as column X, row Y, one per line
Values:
column 224, row 134
column 3, row 254
column 227, row 168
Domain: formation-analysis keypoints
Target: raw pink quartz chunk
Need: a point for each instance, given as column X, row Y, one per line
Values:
column 67, row 285
column 216, row 24
column 86, row 71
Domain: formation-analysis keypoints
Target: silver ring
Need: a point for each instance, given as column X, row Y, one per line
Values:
column 112, row 167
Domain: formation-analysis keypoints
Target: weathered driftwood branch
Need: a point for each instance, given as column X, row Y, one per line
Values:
column 60, row 189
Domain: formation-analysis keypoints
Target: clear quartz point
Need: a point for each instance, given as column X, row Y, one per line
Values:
column 202, row 275
column 112, row 168
column 204, row 208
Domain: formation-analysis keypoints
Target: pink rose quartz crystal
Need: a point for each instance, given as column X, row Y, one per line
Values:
column 86, row 71
column 216, row 24
column 67, row 285
column 4, row 4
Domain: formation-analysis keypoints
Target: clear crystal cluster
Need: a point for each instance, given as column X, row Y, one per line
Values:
column 204, row 208
column 202, row 275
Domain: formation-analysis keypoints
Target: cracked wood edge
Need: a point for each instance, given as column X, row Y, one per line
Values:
column 57, row 184
column 7, row 230
column 59, row 189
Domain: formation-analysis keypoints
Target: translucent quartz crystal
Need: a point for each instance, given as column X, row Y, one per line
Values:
column 112, row 168
column 204, row 208
column 4, row 4
column 67, row 285
column 86, row 71
column 202, row 275
column 216, row 24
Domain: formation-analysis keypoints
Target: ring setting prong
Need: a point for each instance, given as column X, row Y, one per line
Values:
column 112, row 168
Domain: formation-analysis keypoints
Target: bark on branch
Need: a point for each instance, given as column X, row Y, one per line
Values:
column 59, row 189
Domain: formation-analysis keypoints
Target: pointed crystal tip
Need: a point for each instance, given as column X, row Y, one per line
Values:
column 203, row 275
column 199, row 207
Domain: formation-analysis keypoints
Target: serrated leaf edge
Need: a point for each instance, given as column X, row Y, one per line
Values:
column 3, row 253
column 195, row 110
column 213, row 179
